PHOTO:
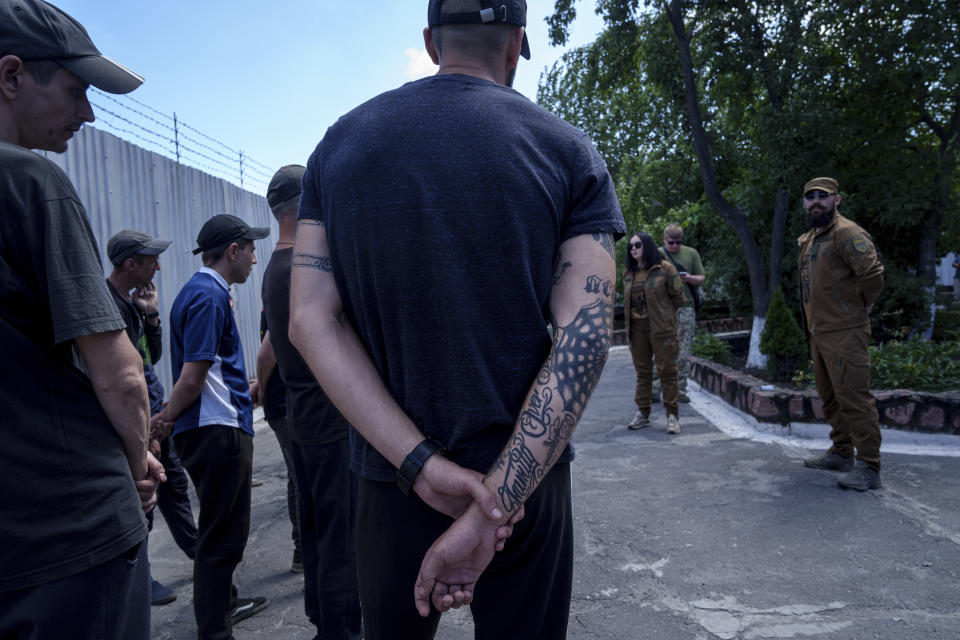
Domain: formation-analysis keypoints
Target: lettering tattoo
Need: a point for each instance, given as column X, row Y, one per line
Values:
column 322, row 263
column 598, row 286
column 606, row 240
column 523, row 471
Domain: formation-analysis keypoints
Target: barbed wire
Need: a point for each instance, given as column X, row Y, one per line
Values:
column 234, row 164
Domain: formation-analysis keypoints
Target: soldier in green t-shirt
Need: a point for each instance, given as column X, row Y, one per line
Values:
column 688, row 265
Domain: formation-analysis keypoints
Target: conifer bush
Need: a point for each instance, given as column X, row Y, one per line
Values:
column 782, row 340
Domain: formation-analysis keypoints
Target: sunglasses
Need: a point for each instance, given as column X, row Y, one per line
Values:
column 636, row 245
column 816, row 195
column 673, row 242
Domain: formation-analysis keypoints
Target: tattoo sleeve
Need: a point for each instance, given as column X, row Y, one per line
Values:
column 310, row 261
column 558, row 397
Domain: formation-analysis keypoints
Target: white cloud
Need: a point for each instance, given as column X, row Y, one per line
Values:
column 419, row 64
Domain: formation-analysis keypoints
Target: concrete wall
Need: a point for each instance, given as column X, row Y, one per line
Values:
column 126, row 187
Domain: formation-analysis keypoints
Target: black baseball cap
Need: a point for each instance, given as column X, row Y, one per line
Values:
column 491, row 12
column 129, row 243
column 285, row 184
column 37, row 30
column 223, row 229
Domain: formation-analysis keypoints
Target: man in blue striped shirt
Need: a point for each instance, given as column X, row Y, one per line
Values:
column 211, row 415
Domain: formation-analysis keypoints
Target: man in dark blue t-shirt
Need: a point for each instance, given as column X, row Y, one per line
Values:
column 443, row 226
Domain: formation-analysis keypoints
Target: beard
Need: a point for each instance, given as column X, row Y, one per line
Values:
column 820, row 218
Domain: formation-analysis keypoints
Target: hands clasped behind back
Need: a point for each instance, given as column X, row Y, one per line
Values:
column 452, row 565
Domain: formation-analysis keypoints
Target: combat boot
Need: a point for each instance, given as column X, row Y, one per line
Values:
column 830, row 461
column 863, row 477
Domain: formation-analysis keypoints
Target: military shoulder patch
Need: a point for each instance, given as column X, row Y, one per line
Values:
column 860, row 244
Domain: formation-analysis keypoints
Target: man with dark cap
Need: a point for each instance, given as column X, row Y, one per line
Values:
column 421, row 304
column 211, row 415
column 840, row 278
column 319, row 444
column 76, row 413
column 135, row 257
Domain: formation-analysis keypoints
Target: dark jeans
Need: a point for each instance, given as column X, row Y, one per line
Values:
column 523, row 594
column 173, row 501
column 328, row 490
column 219, row 460
column 282, row 431
column 110, row 601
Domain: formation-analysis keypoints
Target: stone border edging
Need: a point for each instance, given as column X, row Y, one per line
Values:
column 899, row 409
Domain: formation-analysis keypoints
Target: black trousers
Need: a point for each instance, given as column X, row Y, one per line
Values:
column 173, row 501
column 282, row 431
column 523, row 594
column 110, row 602
column 219, row 460
column 327, row 491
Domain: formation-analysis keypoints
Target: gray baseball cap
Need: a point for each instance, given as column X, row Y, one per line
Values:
column 129, row 243
column 491, row 12
column 37, row 30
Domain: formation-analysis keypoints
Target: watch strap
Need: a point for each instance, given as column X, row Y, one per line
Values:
column 413, row 463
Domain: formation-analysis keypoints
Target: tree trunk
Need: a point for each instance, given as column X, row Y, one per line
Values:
column 930, row 232
column 760, row 293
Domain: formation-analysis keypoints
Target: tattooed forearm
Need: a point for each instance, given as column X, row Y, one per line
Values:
column 606, row 241
column 323, row 263
column 557, row 399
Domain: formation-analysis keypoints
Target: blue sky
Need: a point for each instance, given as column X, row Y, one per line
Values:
column 268, row 78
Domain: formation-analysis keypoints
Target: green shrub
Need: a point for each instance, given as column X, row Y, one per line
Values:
column 946, row 325
column 707, row 346
column 916, row 364
column 904, row 304
column 782, row 340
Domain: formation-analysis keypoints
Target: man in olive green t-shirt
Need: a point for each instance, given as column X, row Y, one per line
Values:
column 690, row 268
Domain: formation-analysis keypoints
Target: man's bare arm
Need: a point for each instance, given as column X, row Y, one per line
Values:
column 581, row 306
column 184, row 392
column 266, row 361
column 116, row 371
column 330, row 346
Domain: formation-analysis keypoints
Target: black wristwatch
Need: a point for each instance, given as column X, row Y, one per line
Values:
column 414, row 462
column 152, row 315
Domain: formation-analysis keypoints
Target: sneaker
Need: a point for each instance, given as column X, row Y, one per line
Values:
column 160, row 594
column 673, row 424
column 639, row 421
column 296, row 565
column 247, row 607
column 683, row 397
column 862, row 477
column 830, row 461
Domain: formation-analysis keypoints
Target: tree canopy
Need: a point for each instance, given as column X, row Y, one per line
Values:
column 715, row 113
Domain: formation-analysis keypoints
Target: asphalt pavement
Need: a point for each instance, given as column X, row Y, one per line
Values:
column 718, row 532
